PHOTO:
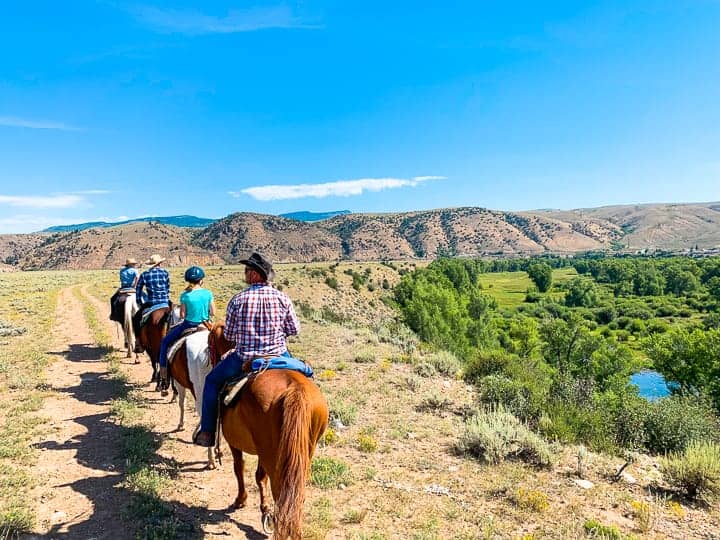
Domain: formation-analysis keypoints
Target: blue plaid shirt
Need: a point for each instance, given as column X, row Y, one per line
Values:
column 157, row 282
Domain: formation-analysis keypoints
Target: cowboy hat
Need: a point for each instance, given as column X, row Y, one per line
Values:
column 130, row 261
column 154, row 260
column 261, row 264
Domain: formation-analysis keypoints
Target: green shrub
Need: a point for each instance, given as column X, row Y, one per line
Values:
column 329, row 473
column 674, row 422
column 608, row 532
column 364, row 357
column 571, row 423
column 496, row 435
column 331, row 282
column 486, row 363
column 425, row 369
column 511, row 394
column 444, row 362
column 344, row 412
column 695, row 471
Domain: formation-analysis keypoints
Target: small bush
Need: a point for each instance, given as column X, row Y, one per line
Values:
column 364, row 357
column 531, row 499
column 329, row 473
column 673, row 422
column 425, row 369
column 444, row 362
column 608, row 532
column 329, row 437
column 344, row 412
column 695, row 471
column 486, row 363
column 494, row 436
column 366, row 440
column 331, row 282
column 511, row 394
column 433, row 402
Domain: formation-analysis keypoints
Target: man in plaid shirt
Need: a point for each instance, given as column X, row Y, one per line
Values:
column 257, row 320
column 157, row 282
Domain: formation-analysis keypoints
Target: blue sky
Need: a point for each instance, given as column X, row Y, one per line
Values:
column 112, row 109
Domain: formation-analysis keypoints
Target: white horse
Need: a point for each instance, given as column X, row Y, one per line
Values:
column 188, row 371
column 131, row 308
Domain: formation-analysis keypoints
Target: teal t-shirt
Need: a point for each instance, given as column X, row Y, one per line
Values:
column 197, row 305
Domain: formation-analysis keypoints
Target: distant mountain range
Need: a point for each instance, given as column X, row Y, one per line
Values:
column 177, row 221
column 185, row 221
column 468, row 231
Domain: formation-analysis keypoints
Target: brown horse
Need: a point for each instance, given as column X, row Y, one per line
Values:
column 280, row 416
column 151, row 336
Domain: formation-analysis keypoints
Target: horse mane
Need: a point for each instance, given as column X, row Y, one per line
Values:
column 294, row 454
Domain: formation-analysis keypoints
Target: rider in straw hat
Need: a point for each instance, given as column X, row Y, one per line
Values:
column 129, row 274
column 258, row 321
column 156, row 281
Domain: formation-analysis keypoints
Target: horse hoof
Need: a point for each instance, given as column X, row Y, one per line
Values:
column 268, row 523
column 239, row 504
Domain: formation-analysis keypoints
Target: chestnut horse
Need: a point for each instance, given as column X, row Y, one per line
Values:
column 151, row 336
column 186, row 373
column 279, row 416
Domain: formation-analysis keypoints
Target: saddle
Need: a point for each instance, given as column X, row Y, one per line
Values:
column 117, row 304
column 175, row 347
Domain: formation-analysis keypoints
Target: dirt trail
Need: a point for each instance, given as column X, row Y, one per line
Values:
column 78, row 464
column 80, row 494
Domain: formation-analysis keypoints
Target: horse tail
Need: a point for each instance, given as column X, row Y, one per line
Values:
column 293, row 462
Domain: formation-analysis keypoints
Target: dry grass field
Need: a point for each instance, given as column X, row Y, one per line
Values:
column 87, row 449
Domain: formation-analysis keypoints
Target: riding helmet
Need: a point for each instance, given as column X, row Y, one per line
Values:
column 194, row 274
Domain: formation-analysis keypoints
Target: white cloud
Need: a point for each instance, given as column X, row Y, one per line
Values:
column 193, row 22
column 35, row 201
column 93, row 192
column 339, row 188
column 14, row 121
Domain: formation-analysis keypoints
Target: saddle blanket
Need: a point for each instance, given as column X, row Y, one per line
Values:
column 282, row 362
column 148, row 311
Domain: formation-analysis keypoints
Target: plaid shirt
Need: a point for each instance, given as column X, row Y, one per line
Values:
column 258, row 319
column 157, row 282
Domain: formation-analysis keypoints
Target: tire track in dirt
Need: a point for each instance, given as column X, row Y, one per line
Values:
column 199, row 497
column 79, row 462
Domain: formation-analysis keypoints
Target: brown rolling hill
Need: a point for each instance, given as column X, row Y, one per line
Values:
column 109, row 247
column 468, row 231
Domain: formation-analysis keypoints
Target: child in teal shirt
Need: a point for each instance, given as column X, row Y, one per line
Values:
column 196, row 307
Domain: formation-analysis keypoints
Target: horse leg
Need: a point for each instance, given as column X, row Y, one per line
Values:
column 239, row 468
column 261, row 478
column 181, row 403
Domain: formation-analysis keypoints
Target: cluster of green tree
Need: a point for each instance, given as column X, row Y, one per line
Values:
column 563, row 364
column 680, row 276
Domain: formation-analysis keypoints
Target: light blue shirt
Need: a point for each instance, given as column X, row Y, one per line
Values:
column 197, row 305
column 127, row 276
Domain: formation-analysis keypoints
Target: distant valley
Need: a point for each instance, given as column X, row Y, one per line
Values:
column 466, row 231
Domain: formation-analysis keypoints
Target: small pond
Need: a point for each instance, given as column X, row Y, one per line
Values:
column 651, row 383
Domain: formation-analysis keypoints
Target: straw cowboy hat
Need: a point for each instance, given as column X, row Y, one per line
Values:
column 261, row 264
column 155, row 260
column 130, row 262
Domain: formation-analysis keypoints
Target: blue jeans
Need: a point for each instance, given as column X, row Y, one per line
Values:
column 171, row 337
column 230, row 367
